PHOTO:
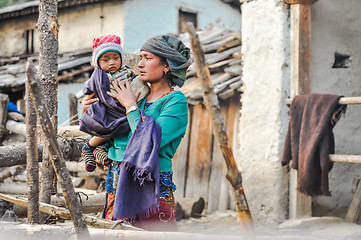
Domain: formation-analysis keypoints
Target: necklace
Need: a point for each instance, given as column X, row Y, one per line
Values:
column 171, row 90
column 147, row 104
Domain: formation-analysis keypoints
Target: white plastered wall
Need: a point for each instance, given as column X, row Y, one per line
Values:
column 264, row 118
column 79, row 26
column 12, row 35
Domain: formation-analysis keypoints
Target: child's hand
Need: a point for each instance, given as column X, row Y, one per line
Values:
column 124, row 94
column 86, row 102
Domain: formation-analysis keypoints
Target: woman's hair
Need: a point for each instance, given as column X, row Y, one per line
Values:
column 168, row 75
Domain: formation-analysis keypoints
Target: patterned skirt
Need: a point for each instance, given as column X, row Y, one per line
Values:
column 162, row 220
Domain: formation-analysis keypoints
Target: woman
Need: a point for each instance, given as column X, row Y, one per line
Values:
column 163, row 64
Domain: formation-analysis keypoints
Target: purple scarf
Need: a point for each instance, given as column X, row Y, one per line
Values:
column 137, row 193
column 104, row 118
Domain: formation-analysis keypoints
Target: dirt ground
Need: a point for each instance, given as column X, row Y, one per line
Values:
column 224, row 226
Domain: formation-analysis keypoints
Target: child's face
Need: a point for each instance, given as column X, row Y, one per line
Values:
column 110, row 62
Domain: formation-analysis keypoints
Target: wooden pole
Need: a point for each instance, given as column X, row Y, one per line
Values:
column 32, row 162
column 4, row 100
column 73, row 109
column 48, row 29
column 300, row 204
column 55, row 154
column 211, row 102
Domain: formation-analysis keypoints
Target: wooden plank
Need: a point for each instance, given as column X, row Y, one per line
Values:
column 180, row 160
column 200, row 148
column 232, row 129
column 300, row 204
column 217, row 57
column 218, row 192
column 354, row 210
column 224, row 43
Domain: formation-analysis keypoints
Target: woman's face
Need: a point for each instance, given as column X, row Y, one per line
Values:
column 110, row 61
column 151, row 68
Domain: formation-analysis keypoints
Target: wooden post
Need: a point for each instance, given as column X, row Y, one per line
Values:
column 4, row 100
column 55, row 154
column 211, row 102
column 300, row 204
column 73, row 109
column 32, row 162
column 48, row 72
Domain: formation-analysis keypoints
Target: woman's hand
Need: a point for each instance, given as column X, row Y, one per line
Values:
column 124, row 94
column 86, row 102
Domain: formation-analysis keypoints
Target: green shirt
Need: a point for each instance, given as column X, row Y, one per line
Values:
column 171, row 113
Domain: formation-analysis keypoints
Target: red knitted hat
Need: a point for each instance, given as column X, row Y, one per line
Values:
column 105, row 44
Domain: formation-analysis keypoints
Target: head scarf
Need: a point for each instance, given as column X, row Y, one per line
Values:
column 174, row 51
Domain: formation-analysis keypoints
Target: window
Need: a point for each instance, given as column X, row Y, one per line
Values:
column 29, row 37
column 185, row 17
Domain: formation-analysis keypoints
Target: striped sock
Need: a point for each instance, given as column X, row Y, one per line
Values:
column 101, row 155
column 88, row 157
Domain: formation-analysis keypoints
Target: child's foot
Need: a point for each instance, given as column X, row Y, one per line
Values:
column 101, row 155
column 88, row 157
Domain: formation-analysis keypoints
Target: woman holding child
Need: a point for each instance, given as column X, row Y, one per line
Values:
column 139, row 183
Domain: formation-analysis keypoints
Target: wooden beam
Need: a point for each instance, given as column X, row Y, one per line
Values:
column 300, row 204
column 345, row 158
column 301, row 48
column 306, row 2
column 343, row 100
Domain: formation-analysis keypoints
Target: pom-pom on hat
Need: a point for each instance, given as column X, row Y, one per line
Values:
column 105, row 44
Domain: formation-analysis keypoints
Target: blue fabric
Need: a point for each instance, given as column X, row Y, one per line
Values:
column 105, row 117
column 166, row 184
column 13, row 108
column 137, row 193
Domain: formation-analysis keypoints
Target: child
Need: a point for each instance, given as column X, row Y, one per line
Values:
column 106, row 118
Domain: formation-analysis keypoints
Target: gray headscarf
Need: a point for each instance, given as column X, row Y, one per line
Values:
column 174, row 51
